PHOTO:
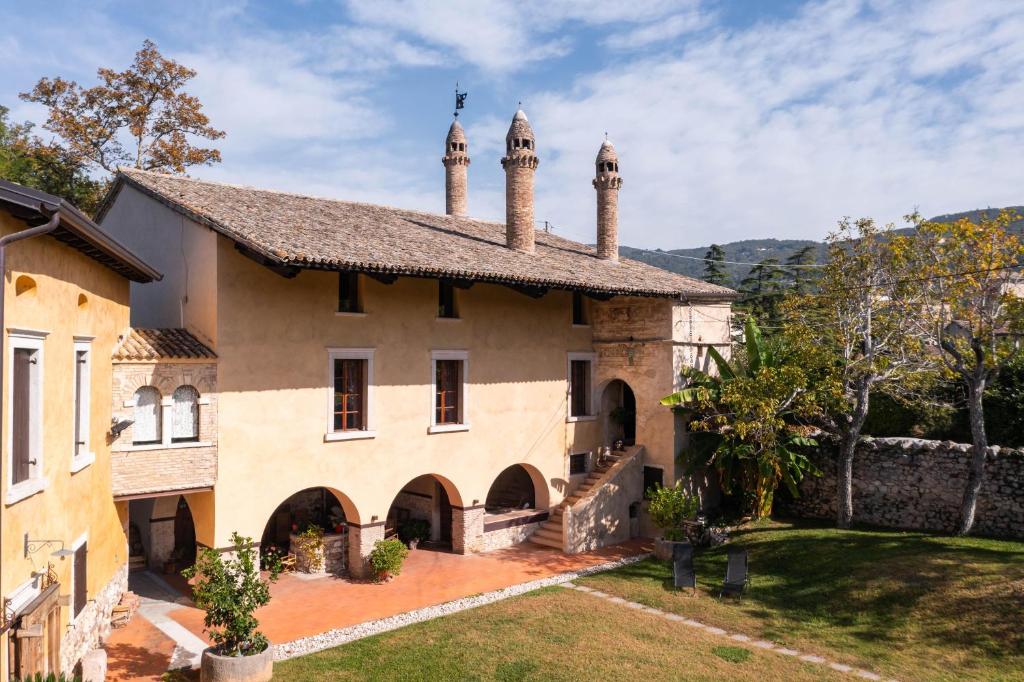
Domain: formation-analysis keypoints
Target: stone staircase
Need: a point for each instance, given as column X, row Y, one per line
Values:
column 550, row 533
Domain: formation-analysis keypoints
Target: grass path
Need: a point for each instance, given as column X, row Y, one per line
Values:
column 912, row 605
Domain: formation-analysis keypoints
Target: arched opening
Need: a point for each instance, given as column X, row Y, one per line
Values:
column 618, row 408
column 184, row 552
column 310, row 508
column 24, row 285
column 516, row 504
column 421, row 512
column 161, row 534
column 512, row 490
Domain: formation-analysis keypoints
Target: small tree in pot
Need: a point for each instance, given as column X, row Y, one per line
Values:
column 669, row 508
column 230, row 590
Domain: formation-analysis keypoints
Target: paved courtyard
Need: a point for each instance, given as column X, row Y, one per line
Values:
column 167, row 631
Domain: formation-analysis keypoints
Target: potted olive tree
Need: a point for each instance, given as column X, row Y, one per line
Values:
column 230, row 589
column 669, row 508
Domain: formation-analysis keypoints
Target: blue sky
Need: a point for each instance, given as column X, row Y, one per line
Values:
column 733, row 120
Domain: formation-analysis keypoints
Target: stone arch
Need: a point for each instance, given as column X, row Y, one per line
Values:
column 507, row 489
column 618, row 412
column 428, row 497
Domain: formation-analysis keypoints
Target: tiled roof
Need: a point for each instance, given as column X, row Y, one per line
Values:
column 292, row 230
column 162, row 344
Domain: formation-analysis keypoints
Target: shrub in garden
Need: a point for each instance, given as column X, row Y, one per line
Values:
column 387, row 558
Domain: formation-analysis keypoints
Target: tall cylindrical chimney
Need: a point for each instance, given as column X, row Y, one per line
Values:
column 520, row 162
column 607, row 183
column 456, row 171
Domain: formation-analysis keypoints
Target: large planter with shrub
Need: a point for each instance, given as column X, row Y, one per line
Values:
column 229, row 588
column 670, row 509
column 387, row 558
column 217, row 668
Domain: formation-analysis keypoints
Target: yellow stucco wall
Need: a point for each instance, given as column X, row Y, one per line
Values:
column 272, row 340
column 71, row 505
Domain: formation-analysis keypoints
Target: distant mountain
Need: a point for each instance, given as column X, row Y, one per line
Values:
column 755, row 250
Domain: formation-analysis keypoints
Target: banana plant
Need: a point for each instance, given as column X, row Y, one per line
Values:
column 745, row 421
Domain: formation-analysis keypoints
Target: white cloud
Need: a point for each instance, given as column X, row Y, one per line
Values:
column 659, row 31
column 778, row 130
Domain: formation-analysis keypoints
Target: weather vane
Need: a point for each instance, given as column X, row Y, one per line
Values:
column 460, row 99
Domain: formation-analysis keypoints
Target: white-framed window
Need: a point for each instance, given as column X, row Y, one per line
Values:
column 81, row 454
column 25, row 414
column 148, row 416
column 185, row 415
column 449, row 372
column 350, row 404
column 580, row 386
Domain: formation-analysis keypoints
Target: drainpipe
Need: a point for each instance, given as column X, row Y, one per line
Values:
column 4, row 241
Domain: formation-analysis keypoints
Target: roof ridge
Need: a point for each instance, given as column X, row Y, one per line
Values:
column 234, row 185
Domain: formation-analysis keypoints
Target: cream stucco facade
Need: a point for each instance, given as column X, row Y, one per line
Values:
column 274, row 336
column 58, row 301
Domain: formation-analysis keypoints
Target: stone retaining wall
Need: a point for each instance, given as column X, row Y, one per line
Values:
column 93, row 623
column 506, row 537
column 918, row 484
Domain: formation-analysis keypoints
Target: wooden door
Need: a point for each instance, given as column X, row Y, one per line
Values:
column 81, row 579
column 37, row 636
column 445, row 521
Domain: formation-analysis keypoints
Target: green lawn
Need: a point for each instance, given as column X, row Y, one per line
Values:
column 550, row 634
column 911, row 605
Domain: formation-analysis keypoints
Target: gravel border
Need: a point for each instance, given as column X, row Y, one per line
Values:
column 338, row 636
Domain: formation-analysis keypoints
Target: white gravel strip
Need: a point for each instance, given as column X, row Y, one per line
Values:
column 338, row 636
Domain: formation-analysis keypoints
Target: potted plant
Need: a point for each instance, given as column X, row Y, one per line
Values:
column 230, row 589
column 413, row 532
column 669, row 508
column 308, row 547
column 386, row 558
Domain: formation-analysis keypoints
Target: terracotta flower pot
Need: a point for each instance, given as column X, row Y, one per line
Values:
column 216, row 668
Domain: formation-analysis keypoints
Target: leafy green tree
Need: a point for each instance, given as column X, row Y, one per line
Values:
column 139, row 117
column 802, row 277
column 748, row 415
column 29, row 161
column 858, row 334
column 230, row 589
column 969, row 309
column 714, row 266
column 762, row 291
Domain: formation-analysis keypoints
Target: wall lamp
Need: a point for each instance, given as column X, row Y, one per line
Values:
column 33, row 546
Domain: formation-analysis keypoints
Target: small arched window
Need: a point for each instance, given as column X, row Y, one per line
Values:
column 185, row 415
column 146, row 429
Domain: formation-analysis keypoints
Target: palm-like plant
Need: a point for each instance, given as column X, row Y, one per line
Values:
column 746, row 421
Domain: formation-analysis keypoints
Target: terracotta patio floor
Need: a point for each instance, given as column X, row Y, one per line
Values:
column 303, row 606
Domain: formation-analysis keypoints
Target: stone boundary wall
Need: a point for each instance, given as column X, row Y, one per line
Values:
column 93, row 623
column 916, row 484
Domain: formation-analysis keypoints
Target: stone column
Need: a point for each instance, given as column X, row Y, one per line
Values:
column 161, row 542
column 467, row 529
column 360, row 543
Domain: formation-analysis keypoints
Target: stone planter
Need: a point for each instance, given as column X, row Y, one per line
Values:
column 216, row 668
column 663, row 548
column 328, row 559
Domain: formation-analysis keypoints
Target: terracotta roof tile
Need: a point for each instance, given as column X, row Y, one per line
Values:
column 161, row 344
column 310, row 232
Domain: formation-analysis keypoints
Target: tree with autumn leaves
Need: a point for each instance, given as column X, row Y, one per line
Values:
column 139, row 117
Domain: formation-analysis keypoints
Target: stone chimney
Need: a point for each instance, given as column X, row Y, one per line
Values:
column 520, row 162
column 456, row 171
column 607, row 183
